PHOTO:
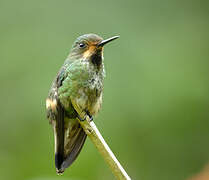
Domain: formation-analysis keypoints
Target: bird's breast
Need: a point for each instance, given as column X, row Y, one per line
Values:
column 89, row 96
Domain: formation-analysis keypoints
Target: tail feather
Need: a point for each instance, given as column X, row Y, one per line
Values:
column 59, row 136
column 70, row 139
column 75, row 149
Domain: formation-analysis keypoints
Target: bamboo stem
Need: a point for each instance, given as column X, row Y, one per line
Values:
column 93, row 133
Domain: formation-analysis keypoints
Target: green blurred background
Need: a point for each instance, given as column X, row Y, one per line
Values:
column 155, row 114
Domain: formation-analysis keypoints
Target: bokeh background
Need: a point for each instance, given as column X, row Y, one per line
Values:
column 155, row 115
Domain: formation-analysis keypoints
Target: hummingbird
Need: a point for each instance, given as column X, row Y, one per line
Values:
column 79, row 80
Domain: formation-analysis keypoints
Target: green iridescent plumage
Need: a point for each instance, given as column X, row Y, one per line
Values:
column 80, row 76
column 79, row 80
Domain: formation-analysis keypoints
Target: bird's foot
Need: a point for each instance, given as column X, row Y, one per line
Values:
column 90, row 116
column 82, row 119
column 85, row 116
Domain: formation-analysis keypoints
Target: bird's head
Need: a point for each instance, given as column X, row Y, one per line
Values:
column 89, row 47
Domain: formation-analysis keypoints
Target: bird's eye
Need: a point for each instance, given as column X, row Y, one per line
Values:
column 82, row 45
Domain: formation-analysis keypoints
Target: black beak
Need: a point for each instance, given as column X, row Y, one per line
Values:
column 107, row 41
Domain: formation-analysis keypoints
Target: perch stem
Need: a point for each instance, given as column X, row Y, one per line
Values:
column 93, row 133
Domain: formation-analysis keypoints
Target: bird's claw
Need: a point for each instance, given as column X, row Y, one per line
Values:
column 82, row 119
column 85, row 116
column 90, row 116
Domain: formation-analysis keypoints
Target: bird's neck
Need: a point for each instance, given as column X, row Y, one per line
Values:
column 96, row 59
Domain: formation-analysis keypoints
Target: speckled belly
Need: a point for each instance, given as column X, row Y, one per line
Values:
column 89, row 100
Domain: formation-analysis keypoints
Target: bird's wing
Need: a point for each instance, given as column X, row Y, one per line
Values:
column 69, row 136
column 56, row 115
